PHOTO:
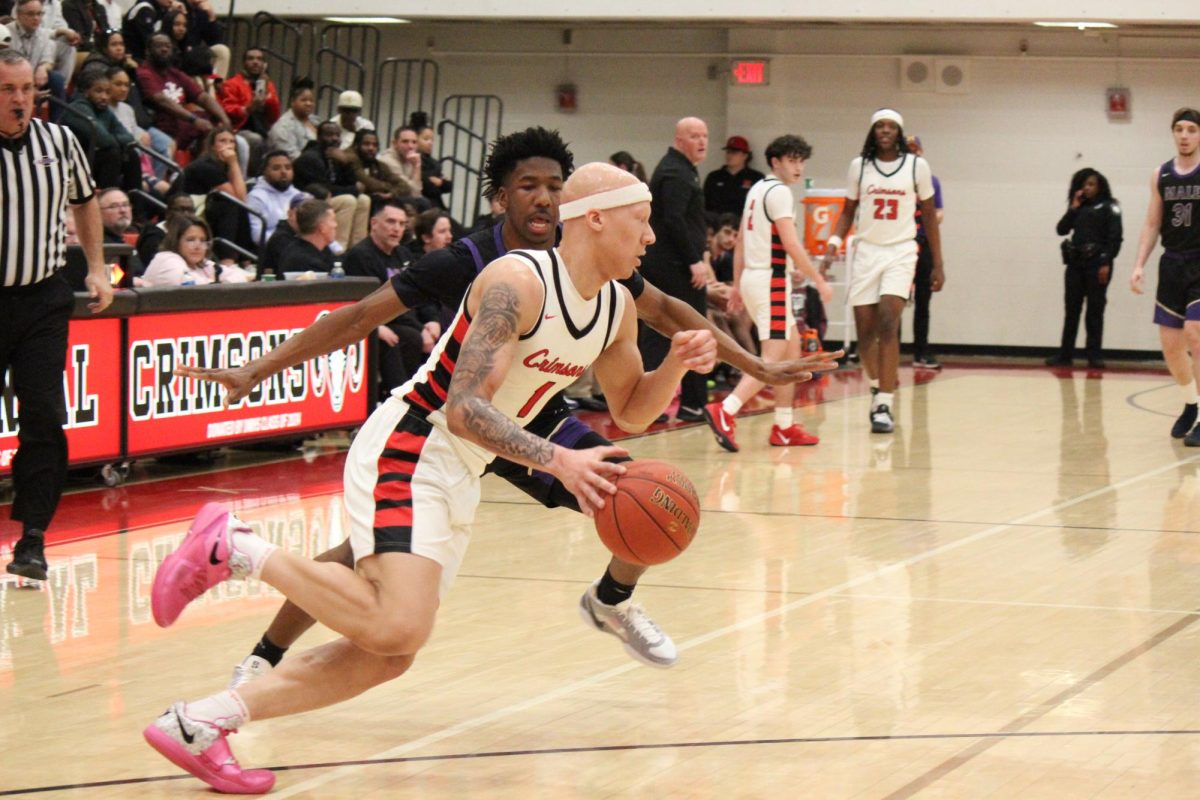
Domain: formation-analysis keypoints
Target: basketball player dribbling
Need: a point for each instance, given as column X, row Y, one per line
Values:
column 884, row 185
column 524, row 171
column 767, row 251
column 1174, row 216
column 529, row 325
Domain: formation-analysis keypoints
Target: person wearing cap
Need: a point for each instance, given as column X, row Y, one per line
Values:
column 885, row 185
column 1174, row 216
column 349, row 119
column 725, row 189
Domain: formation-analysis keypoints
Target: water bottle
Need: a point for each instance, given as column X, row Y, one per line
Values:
column 337, row 272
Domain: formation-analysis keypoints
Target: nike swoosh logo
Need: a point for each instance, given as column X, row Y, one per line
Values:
column 551, row 316
column 187, row 737
column 212, row 557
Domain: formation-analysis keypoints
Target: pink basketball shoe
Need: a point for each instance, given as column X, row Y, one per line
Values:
column 205, row 558
column 201, row 749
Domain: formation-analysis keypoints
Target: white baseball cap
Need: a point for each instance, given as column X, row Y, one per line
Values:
column 350, row 99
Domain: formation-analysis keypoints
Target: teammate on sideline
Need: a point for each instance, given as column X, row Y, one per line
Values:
column 767, row 251
column 885, row 183
column 525, row 171
column 1174, row 215
column 412, row 474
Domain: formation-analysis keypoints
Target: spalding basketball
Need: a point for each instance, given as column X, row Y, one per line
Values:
column 652, row 517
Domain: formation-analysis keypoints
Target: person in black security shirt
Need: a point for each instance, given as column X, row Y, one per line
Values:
column 406, row 339
column 316, row 229
column 675, row 262
column 1095, row 218
column 725, row 189
column 526, row 171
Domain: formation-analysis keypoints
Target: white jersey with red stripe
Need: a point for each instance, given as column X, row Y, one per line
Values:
column 570, row 334
column 887, row 195
column 767, row 202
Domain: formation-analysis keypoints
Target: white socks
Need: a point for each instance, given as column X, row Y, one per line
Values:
column 783, row 418
column 731, row 405
column 255, row 549
column 1188, row 390
column 873, row 382
column 883, row 399
column 223, row 709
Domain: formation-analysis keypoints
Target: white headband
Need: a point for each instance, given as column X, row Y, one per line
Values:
column 887, row 113
column 624, row 196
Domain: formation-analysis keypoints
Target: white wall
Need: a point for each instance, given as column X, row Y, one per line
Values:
column 1004, row 151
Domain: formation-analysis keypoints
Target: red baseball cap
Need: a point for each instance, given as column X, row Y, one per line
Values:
column 737, row 143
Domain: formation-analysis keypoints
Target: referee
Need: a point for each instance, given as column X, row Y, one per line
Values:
column 42, row 167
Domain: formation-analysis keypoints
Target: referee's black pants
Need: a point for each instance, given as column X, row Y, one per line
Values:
column 33, row 350
column 922, row 294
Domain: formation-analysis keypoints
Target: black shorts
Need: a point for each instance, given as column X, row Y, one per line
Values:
column 556, row 424
column 1178, row 296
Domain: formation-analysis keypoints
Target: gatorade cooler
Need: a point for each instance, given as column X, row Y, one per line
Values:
column 822, row 210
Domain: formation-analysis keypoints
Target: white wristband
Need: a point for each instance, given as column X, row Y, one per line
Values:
column 833, row 244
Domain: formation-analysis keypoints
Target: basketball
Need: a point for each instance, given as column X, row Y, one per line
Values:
column 652, row 517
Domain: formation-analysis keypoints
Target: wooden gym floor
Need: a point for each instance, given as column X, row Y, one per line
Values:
column 997, row 601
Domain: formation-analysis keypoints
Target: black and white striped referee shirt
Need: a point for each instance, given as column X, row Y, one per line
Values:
column 39, row 173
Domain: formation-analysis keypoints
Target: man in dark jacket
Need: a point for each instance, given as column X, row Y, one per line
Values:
column 675, row 262
column 324, row 162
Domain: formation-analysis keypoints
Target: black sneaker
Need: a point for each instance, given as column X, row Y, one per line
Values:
column 1059, row 361
column 1185, row 421
column 881, row 420
column 685, row 414
column 926, row 361
column 1096, row 363
column 29, row 558
column 1193, row 438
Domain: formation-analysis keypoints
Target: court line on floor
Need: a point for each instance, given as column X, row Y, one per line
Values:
column 1132, row 400
column 1014, row 727
column 574, row 687
column 617, row 748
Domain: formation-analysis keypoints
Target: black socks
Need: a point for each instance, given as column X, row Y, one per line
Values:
column 609, row 592
column 269, row 650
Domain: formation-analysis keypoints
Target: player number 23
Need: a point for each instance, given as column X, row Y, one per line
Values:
column 886, row 207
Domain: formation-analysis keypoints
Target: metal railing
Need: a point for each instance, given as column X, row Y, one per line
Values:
column 359, row 42
column 469, row 123
column 286, row 42
column 338, row 73
column 402, row 86
column 170, row 166
column 262, row 236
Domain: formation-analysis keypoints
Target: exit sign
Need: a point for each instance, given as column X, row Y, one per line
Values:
column 750, row 71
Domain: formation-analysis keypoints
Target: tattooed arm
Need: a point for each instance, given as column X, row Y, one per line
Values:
column 505, row 302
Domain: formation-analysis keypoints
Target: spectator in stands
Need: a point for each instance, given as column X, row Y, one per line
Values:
column 627, row 162
column 66, row 39
column 349, row 118
column 203, row 30
column 116, row 215
column 216, row 171
column 316, row 229
column 102, row 135
column 251, row 102
column 110, row 51
column 431, row 231
column 407, row 338
column 375, row 177
column 404, row 159
column 271, row 257
column 433, row 183
column 151, row 237
column 109, row 15
column 494, row 216
column 35, row 43
column 271, row 196
column 170, row 93
column 324, row 162
column 182, row 259
column 725, row 189
column 79, row 17
column 153, row 170
column 297, row 126
column 144, row 19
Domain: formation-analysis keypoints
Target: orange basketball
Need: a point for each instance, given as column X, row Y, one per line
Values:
column 652, row 517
